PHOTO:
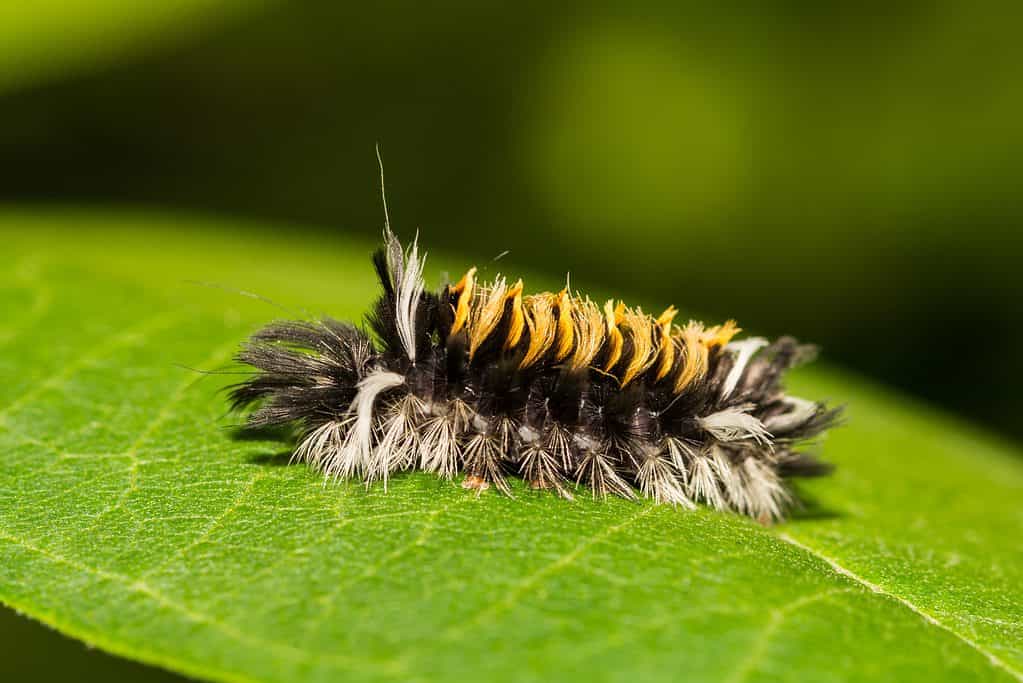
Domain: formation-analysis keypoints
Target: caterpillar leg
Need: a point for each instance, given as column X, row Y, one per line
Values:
column 483, row 465
column 598, row 469
column 544, row 458
column 475, row 483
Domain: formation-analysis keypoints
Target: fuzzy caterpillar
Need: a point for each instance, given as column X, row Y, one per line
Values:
column 484, row 380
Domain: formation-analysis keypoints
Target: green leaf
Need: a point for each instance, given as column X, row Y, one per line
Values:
column 131, row 519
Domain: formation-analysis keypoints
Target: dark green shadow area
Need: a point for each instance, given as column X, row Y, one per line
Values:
column 34, row 652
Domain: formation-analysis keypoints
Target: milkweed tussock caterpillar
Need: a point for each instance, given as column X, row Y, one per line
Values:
column 485, row 380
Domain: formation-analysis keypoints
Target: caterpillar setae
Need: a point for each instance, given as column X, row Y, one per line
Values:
column 482, row 380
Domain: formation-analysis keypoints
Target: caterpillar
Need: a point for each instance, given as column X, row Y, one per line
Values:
column 483, row 380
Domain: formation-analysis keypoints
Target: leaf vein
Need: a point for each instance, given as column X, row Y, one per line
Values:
column 991, row 657
column 553, row 567
column 182, row 552
column 162, row 416
column 104, row 346
column 329, row 600
column 775, row 621
column 232, row 632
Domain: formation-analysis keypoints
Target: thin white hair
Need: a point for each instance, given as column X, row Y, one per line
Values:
column 744, row 351
column 802, row 410
column 355, row 455
column 658, row 478
column 407, row 273
column 736, row 424
column 703, row 484
column 322, row 445
column 766, row 495
column 399, row 438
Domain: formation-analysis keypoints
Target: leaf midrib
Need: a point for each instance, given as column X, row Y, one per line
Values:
column 881, row 591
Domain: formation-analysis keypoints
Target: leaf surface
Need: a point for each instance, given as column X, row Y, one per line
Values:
column 132, row 518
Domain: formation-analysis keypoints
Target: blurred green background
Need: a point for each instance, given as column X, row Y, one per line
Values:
column 849, row 174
